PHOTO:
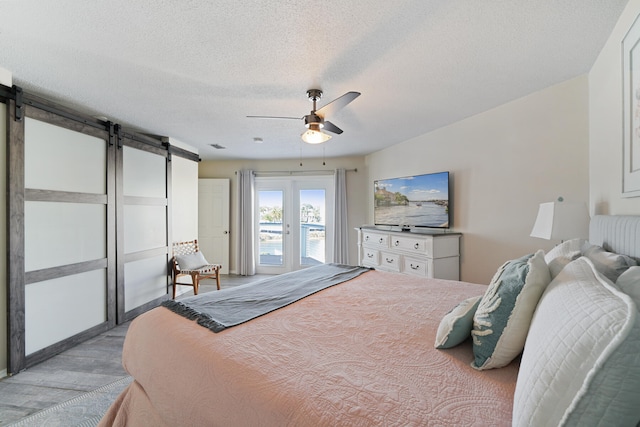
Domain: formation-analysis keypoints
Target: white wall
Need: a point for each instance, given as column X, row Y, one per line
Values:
column 605, row 124
column 503, row 163
column 357, row 190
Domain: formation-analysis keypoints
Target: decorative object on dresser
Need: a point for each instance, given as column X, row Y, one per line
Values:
column 434, row 255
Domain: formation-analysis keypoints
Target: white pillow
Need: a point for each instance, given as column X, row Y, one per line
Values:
column 455, row 327
column 610, row 264
column 629, row 283
column 192, row 261
column 581, row 361
column 563, row 254
column 501, row 322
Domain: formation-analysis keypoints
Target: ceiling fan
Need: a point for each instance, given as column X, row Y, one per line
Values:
column 315, row 121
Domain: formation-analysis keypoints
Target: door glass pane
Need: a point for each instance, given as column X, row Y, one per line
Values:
column 312, row 227
column 271, row 227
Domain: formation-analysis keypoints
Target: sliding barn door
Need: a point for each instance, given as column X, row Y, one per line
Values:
column 62, row 262
column 88, row 220
column 143, row 232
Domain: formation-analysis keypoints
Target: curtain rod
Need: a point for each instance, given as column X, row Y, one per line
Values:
column 305, row 172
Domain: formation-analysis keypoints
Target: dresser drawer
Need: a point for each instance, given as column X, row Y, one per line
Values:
column 375, row 239
column 390, row 261
column 419, row 245
column 418, row 267
column 370, row 257
column 416, row 253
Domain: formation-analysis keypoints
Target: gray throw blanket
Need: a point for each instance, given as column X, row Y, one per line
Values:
column 223, row 309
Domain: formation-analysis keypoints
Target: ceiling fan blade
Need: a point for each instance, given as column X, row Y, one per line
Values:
column 337, row 104
column 330, row 127
column 273, row 117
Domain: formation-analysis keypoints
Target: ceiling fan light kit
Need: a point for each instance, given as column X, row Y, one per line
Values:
column 315, row 121
column 314, row 135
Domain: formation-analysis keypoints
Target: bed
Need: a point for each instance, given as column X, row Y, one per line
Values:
column 362, row 352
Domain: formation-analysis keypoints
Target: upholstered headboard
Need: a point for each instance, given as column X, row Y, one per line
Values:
column 616, row 233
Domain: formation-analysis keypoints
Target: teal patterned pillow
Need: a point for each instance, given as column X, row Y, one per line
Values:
column 455, row 326
column 501, row 322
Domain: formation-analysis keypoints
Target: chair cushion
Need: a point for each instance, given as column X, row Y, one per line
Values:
column 191, row 262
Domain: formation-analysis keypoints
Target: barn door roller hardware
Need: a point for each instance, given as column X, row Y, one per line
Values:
column 118, row 129
column 17, row 96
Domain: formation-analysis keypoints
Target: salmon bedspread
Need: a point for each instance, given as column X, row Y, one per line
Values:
column 360, row 353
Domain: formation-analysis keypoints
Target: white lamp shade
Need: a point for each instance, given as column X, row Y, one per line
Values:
column 561, row 221
column 314, row 135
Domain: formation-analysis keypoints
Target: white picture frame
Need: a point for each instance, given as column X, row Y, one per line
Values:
column 631, row 111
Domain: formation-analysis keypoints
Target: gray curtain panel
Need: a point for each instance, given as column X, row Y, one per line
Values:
column 246, row 190
column 341, row 240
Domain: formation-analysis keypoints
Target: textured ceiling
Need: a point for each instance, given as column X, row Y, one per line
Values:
column 193, row 70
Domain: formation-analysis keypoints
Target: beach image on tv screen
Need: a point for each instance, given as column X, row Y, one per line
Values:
column 418, row 201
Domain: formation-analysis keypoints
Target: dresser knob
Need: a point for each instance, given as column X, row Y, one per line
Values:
column 397, row 242
column 416, row 246
column 414, row 267
column 389, row 260
column 381, row 240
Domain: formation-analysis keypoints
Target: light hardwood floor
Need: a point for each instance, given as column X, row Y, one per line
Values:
column 84, row 368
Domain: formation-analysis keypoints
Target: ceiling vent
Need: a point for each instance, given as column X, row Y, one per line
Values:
column 217, row 146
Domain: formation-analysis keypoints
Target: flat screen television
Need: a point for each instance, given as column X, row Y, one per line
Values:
column 413, row 201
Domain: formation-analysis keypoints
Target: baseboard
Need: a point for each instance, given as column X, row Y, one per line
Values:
column 183, row 290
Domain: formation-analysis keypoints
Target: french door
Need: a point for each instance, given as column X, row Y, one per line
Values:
column 294, row 226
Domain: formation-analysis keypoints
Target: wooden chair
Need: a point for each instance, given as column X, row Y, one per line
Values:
column 205, row 271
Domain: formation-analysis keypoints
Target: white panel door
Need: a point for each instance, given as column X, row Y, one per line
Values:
column 213, row 221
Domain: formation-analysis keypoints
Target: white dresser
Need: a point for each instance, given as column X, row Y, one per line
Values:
column 425, row 255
